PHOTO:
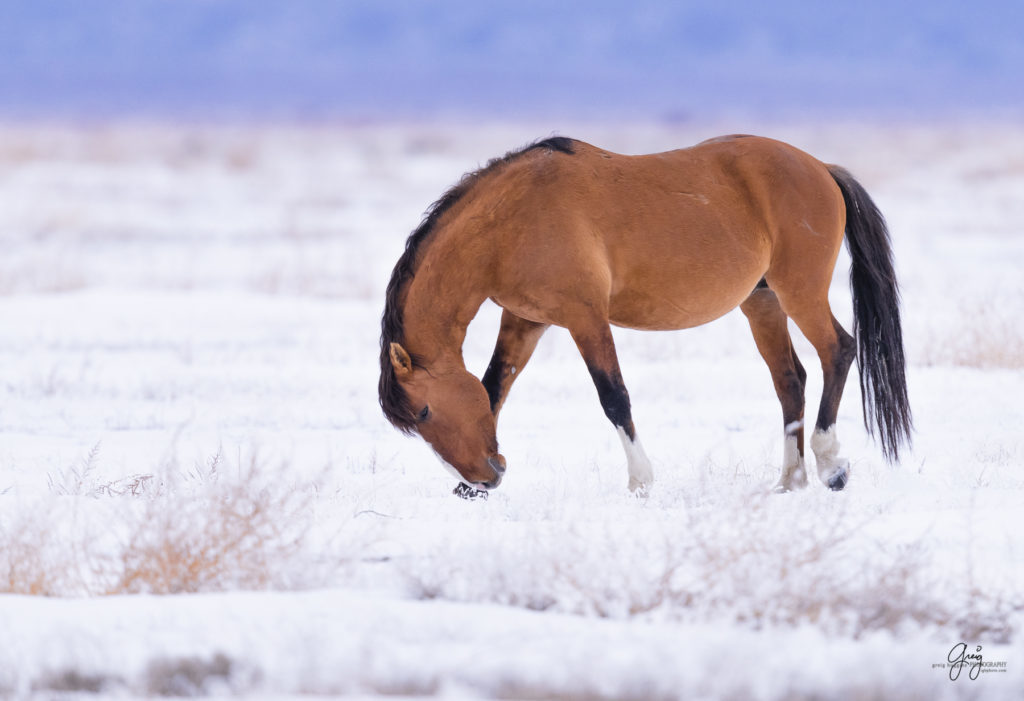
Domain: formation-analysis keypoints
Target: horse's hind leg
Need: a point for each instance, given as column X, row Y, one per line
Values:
column 836, row 350
column 841, row 349
column 597, row 347
column 771, row 334
column 516, row 342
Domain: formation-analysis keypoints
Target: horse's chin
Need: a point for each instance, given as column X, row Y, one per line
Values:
column 489, row 484
column 480, row 490
column 473, row 489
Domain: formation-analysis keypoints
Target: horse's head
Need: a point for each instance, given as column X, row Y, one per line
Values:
column 451, row 411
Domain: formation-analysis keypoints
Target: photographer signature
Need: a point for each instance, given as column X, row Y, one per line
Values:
column 959, row 658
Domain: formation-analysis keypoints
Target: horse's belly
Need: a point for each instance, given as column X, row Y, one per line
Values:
column 639, row 311
column 681, row 305
column 670, row 279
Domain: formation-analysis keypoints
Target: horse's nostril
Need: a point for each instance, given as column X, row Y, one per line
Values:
column 497, row 464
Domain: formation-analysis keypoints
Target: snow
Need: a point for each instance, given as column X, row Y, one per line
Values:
column 188, row 359
column 342, row 643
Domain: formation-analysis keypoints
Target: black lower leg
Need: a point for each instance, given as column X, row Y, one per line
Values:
column 801, row 373
column 795, row 426
column 614, row 398
column 516, row 342
column 493, row 379
column 834, row 380
column 790, row 390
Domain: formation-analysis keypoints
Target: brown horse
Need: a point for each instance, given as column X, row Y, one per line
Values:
column 564, row 233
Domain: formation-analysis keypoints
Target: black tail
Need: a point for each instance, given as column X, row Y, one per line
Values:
column 876, row 318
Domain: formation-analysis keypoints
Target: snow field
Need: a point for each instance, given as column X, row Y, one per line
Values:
column 188, row 367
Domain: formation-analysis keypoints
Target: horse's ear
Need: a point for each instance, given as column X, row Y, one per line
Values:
column 400, row 360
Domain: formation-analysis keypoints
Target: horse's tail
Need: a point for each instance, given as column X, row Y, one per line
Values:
column 876, row 318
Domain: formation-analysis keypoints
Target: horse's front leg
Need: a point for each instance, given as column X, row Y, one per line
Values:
column 516, row 342
column 597, row 347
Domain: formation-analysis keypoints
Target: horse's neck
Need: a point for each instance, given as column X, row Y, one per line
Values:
column 441, row 302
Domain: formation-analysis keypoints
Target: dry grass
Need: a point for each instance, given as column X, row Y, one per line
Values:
column 754, row 560
column 982, row 338
column 217, row 675
column 41, row 273
column 204, row 531
column 228, row 538
column 28, row 550
column 725, row 564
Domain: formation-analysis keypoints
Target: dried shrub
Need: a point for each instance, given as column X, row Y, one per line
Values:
column 232, row 535
column 198, row 676
column 72, row 681
column 983, row 337
column 205, row 531
column 728, row 563
column 33, row 560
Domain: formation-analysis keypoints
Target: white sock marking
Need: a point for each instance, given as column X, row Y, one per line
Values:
column 826, row 451
column 793, row 476
column 824, row 443
column 790, row 454
column 641, row 476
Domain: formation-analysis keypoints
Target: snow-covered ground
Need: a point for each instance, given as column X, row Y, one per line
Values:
column 195, row 473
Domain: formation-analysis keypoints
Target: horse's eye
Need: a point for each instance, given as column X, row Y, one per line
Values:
column 425, row 414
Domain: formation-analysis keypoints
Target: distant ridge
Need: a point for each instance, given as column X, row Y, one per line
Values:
column 374, row 59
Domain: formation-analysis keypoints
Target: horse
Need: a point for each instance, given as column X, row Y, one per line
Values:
column 564, row 233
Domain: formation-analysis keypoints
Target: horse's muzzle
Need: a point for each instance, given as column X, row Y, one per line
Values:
column 496, row 463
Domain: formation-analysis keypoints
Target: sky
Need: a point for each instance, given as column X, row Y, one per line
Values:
column 402, row 59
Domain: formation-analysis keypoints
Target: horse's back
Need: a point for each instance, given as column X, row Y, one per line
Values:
column 672, row 239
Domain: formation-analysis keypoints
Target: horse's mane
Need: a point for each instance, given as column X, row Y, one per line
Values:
column 393, row 399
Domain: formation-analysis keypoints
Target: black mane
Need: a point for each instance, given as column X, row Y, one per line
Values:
column 393, row 399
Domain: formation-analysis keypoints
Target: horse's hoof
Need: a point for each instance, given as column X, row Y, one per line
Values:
column 464, row 491
column 791, row 481
column 641, row 490
column 837, row 481
column 781, row 488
